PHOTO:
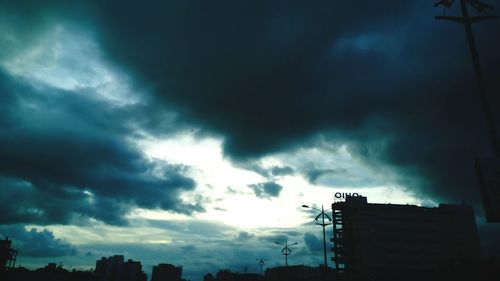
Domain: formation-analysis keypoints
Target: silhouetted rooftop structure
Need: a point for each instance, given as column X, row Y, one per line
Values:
column 116, row 269
column 166, row 272
column 50, row 272
column 7, row 254
column 371, row 239
column 227, row 275
column 299, row 273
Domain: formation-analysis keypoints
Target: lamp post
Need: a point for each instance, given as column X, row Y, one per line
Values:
column 322, row 214
column 261, row 264
column 286, row 251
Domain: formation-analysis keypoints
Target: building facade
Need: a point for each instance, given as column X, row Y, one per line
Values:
column 116, row 269
column 166, row 272
column 299, row 273
column 373, row 238
column 7, row 255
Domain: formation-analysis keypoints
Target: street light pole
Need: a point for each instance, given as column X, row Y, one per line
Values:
column 261, row 264
column 323, row 224
column 286, row 251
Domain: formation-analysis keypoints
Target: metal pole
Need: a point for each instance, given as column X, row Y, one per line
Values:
column 286, row 254
column 324, row 235
column 261, row 263
column 490, row 121
column 467, row 21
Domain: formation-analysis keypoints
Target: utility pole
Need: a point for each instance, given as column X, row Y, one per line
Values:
column 467, row 21
column 488, row 170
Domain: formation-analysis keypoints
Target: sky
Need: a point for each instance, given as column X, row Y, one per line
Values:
column 192, row 132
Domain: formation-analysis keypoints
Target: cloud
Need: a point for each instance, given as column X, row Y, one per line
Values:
column 244, row 236
column 386, row 81
column 313, row 242
column 282, row 170
column 187, row 228
column 314, row 175
column 37, row 243
column 280, row 235
column 272, row 79
column 266, row 189
column 268, row 77
column 66, row 155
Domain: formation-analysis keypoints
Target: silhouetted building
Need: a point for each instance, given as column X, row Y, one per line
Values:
column 50, row 272
column 7, row 254
column 166, row 272
column 376, row 239
column 299, row 273
column 227, row 275
column 115, row 269
column 109, row 269
column 208, row 277
column 132, row 271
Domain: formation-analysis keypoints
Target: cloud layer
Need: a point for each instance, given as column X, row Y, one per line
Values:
column 83, row 83
column 65, row 156
column 34, row 243
column 269, row 76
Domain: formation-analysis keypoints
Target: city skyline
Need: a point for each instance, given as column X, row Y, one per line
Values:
column 196, row 131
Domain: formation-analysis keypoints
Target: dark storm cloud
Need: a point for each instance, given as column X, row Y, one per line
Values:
column 384, row 78
column 253, row 71
column 65, row 155
column 34, row 243
column 266, row 189
column 270, row 75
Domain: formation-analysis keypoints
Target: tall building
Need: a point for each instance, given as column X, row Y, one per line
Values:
column 7, row 255
column 132, row 271
column 370, row 239
column 166, row 272
column 116, row 269
column 109, row 269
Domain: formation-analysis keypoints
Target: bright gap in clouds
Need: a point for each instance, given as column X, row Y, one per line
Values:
column 227, row 197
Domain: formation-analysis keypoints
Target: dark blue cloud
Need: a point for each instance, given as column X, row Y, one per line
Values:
column 314, row 174
column 282, row 171
column 386, row 79
column 34, row 243
column 266, row 189
column 313, row 243
column 272, row 76
column 65, row 155
column 244, row 236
